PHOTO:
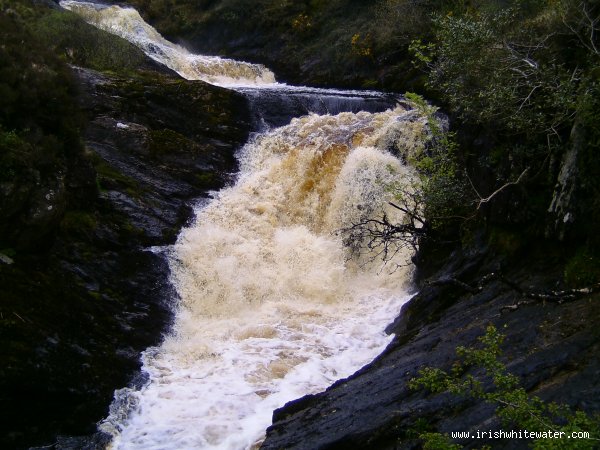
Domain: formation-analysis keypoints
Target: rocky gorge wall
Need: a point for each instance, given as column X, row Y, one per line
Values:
column 82, row 300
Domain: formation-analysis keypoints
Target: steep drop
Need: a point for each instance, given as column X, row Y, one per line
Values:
column 271, row 308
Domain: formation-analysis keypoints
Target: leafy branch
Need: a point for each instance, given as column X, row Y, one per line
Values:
column 479, row 374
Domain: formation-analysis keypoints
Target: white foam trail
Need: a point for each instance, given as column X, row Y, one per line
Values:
column 128, row 24
column 270, row 308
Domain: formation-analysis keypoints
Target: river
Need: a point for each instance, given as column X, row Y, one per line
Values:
column 271, row 304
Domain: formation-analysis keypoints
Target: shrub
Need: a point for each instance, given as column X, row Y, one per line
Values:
column 472, row 375
column 441, row 182
column 493, row 72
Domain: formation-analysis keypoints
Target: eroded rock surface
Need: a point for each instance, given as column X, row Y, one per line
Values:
column 76, row 316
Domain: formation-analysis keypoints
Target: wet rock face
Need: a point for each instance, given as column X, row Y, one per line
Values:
column 552, row 348
column 158, row 142
column 76, row 314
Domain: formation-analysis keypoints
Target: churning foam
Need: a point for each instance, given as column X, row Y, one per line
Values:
column 128, row 24
column 271, row 309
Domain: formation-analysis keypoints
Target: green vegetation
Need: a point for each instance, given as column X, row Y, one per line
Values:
column 69, row 37
column 15, row 154
column 335, row 42
column 491, row 71
column 524, row 74
column 583, row 269
column 84, row 45
column 37, row 91
column 78, row 223
column 441, row 182
column 479, row 374
column 39, row 125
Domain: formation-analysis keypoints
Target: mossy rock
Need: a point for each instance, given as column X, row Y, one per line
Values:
column 78, row 223
column 85, row 45
column 109, row 177
column 167, row 141
column 505, row 242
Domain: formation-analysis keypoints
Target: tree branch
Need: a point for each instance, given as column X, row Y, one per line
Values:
column 558, row 297
column 482, row 201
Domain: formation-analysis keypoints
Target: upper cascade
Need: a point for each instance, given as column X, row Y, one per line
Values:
column 127, row 23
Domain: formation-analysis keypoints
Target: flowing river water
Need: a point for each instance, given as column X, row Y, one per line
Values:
column 271, row 306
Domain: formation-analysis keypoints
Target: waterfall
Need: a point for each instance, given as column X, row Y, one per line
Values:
column 271, row 304
column 127, row 23
column 275, row 105
column 271, row 307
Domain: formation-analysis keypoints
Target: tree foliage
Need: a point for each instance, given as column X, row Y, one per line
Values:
column 519, row 66
column 38, row 93
column 521, row 76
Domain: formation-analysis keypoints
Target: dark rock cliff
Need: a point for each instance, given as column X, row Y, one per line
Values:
column 77, row 312
column 553, row 348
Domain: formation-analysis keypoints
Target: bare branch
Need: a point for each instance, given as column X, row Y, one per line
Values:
column 409, row 213
column 472, row 185
column 553, row 296
column 587, row 36
column 482, row 201
column 558, row 297
column 528, row 96
column 382, row 238
column 456, row 282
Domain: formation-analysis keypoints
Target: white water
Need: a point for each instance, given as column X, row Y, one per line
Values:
column 271, row 307
column 127, row 23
